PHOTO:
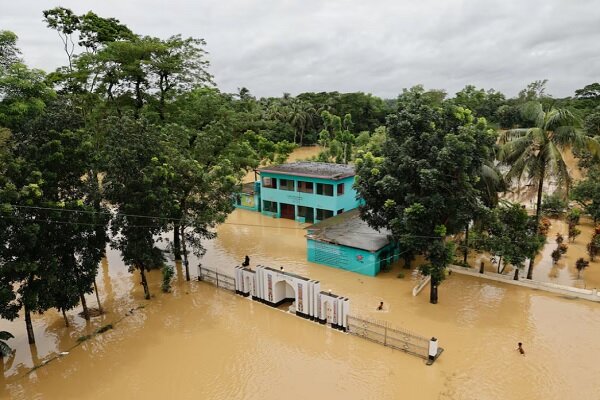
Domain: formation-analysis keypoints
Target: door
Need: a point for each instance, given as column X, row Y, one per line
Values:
column 288, row 211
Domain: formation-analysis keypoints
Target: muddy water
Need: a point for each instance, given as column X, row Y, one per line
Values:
column 199, row 342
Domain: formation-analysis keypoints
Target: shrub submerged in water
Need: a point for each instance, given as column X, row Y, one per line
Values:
column 167, row 275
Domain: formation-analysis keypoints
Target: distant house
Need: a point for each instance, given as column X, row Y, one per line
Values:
column 307, row 191
column 249, row 197
column 347, row 242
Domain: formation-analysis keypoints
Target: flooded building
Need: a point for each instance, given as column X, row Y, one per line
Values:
column 347, row 242
column 249, row 197
column 302, row 191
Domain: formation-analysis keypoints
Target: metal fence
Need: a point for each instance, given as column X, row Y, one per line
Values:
column 382, row 333
column 216, row 278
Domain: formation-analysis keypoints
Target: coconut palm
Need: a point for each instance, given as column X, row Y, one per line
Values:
column 5, row 349
column 535, row 153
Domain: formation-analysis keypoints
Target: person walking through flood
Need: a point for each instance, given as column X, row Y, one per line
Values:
column 246, row 261
column 380, row 307
column 520, row 348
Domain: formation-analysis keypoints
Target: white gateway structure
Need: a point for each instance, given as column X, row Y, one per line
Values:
column 276, row 287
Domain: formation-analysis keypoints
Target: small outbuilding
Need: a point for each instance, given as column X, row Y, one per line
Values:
column 347, row 242
column 249, row 197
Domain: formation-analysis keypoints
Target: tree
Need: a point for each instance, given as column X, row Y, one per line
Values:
column 581, row 264
column 9, row 52
column 5, row 349
column 138, row 177
column 423, row 188
column 587, row 193
column 510, row 233
column 482, row 103
column 591, row 91
column 534, row 152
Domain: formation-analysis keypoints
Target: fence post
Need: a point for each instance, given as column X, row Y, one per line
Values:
column 385, row 336
column 433, row 349
column 217, row 275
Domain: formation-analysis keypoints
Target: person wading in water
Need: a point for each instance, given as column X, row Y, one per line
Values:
column 520, row 348
column 246, row 262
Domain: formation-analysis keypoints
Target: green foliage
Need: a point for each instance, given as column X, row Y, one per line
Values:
column 573, row 216
column 587, row 193
column 424, row 186
column 167, row 276
column 508, row 231
column 5, row 349
column 483, row 103
column 553, row 205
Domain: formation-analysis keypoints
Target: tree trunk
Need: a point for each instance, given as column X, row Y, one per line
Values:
column 407, row 261
column 29, row 326
column 65, row 317
column 481, row 267
column 100, row 310
column 185, row 255
column 144, row 283
column 466, row 244
column 500, row 265
column 538, row 213
column 516, row 277
column 433, row 293
column 176, row 243
column 86, row 313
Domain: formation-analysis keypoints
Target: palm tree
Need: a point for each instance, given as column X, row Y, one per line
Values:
column 534, row 153
column 5, row 349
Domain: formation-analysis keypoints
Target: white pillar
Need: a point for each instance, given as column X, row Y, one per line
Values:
column 433, row 348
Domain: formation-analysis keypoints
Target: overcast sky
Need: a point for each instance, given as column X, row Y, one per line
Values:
column 377, row 46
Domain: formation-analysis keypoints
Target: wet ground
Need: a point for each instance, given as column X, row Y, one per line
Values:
column 199, row 342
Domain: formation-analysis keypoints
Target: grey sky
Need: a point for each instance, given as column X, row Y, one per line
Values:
column 377, row 46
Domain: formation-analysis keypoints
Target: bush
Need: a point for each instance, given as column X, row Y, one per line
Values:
column 544, row 226
column 556, row 255
column 553, row 205
column 574, row 216
column 167, row 275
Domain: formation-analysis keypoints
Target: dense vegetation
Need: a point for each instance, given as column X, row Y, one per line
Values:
column 131, row 140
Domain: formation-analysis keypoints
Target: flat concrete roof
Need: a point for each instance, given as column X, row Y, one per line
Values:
column 347, row 229
column 312, row 169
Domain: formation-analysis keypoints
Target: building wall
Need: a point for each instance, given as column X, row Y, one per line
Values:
column 248, row 201
column 347, row 201
column 348, row 258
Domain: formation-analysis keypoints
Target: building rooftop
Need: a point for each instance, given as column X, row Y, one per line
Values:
column 312, row 169
column 347, row 229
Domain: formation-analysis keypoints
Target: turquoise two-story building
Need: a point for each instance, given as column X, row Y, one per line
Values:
column 307, row 191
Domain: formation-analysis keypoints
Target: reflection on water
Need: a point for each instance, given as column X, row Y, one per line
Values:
column 199, row 342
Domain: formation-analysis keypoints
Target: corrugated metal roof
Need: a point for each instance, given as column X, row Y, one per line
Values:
column 347, row 229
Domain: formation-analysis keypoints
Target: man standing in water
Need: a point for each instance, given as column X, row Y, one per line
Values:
column 246, row 262
column 520, row 348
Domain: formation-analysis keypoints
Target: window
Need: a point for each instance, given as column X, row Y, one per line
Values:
column 306, row 187
column 269, row 206
column 286, row 184
column 324, row 214
column 324, row 189
column 340, row 189
column 306, row 213
column 268, row 182
column 341, row 210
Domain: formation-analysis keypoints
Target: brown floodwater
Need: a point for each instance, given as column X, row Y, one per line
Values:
column 199, row 342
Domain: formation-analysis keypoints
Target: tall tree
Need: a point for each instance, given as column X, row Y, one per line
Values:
column 424, row 187
column 535, row 153
column 137, row 181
